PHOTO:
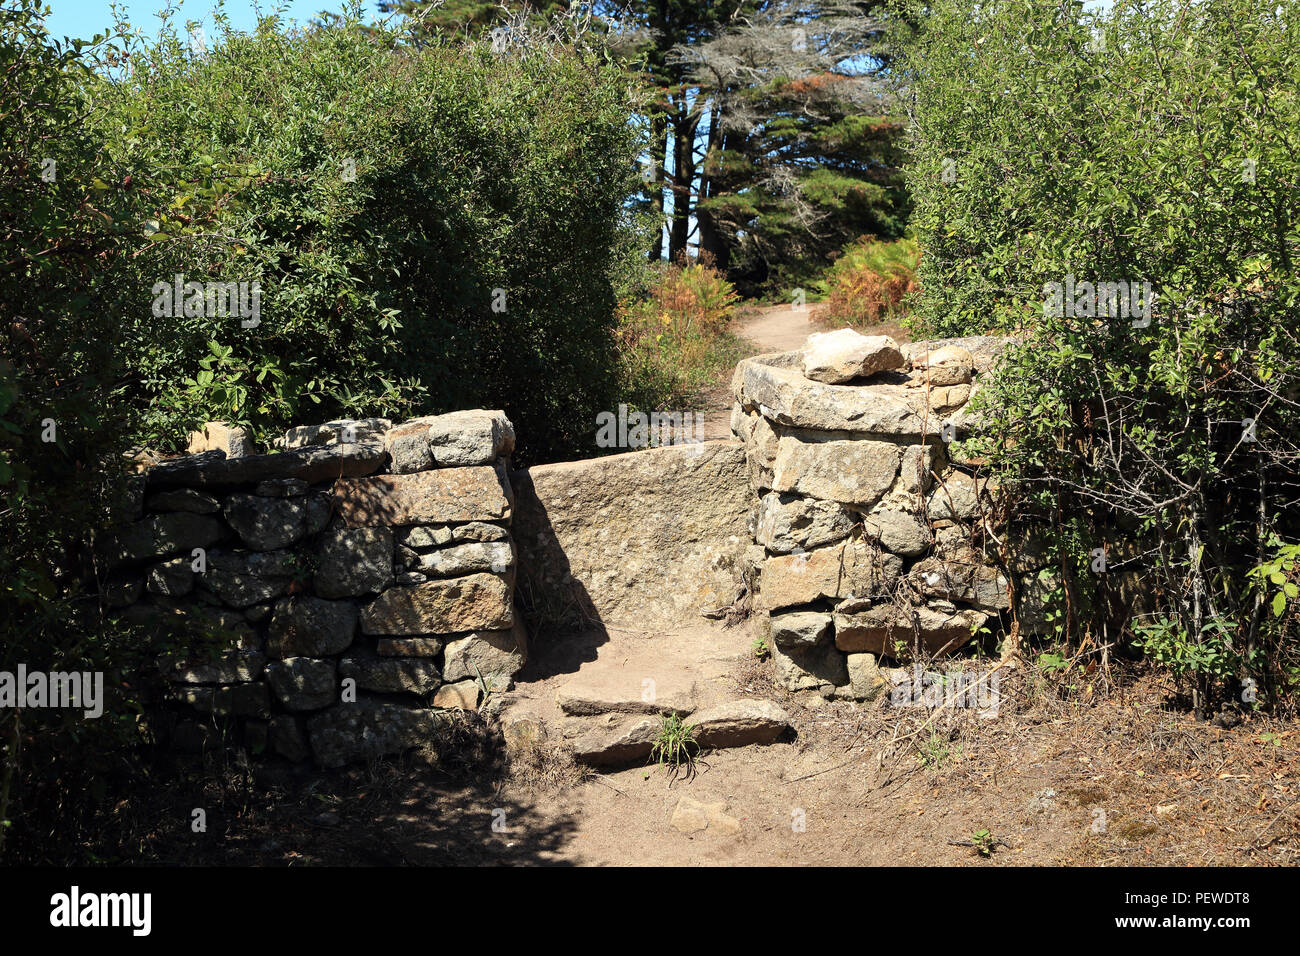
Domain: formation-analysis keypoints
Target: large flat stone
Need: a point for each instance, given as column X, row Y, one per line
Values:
column 637, row 687
column 649, row 538
column 890, row 631
column 476, row 602
column 739, row 723
column 391, row 675
column 785, row 396
column 494, row 657
column 851, row 472
column 160, row 536
column 629, row 743
column 786, row 522
column 849, row 568
column 312, row 465
column 427, row 497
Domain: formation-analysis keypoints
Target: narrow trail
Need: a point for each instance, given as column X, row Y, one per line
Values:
column 769, row 328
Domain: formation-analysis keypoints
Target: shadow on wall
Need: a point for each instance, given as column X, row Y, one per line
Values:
column 564, row 626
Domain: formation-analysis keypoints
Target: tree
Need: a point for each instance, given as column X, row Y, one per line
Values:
column 801, row 153
column 468, row 18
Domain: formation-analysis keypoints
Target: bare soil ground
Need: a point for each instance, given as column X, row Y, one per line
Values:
column 1068, row 773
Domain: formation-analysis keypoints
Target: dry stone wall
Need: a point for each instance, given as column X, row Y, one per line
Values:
column 870, row 539
column 336, row 599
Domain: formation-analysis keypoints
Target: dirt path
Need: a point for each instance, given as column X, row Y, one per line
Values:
column 1056, row 778
column 768, row 328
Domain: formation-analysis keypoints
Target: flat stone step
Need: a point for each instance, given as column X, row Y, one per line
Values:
column 736, row 723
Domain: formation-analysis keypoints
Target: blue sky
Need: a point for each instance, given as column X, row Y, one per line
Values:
column 82, row 18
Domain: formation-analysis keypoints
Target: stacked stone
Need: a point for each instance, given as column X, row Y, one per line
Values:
column 333, row 599
column 868, row 531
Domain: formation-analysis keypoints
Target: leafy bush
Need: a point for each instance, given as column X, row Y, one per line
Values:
column 1056, row 152
column 432, row 227
column 673, row 335
column 870, row 282
column 63, row 241
column 124, row 163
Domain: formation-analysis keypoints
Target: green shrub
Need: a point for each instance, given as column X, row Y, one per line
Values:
column 870, row 282
column 1150, row 144
column 432, row 227
column 64, row 241
column 674, row 335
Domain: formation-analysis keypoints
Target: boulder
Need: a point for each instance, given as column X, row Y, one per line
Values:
column 630, row 743
column 479, row 601
column 820, row 667
column 391, row 675
column 281, row 488
column 799, row 630
column 899, row 532
column 409, row 646
column 303, row 683
column 311, row 627
column 844, row 354
column 946, row 365
column 235, row 441
column 866, row 680
column 890, row 631
column 476, row 437
column 427, row 497
column 174, row 578
column 496, row 657
column 495, row 556
column 849, row 568
column 265, row 524
column 424, row 536
column 233, row 700
column 786, row 397
column 739, row 723
column 977, row 584
column 369, row 729
column 479, row 531
column 915, row 472
column 408, row 446
column 312, row 465
column 351, row 562
column 459, row 696
column 244, row 578
column 287, row 736
column 159, row 536
column 852, row 472
column 787, row 522
column 957, row 496
column 355, row 429
column 183, row 499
